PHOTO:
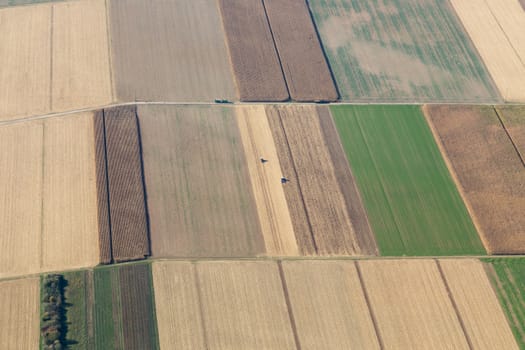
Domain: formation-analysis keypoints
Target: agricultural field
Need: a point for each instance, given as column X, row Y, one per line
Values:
column 496, row 28
column 488, row 170
column 507, row 279
column 19, row 324
column 199, row 193
column 304, row 65
column 315, row 193
column 159, row 53
column 513, row 120
column 49, row 215
column 384, row 51
column 412, row 202
column 476, row 303
column 255, row 61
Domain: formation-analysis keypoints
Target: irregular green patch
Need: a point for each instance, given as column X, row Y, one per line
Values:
column 412, row 203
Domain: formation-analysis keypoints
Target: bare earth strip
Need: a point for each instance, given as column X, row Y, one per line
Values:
column 198, row 186
column 169, row 51
column 329, row 306
column 513, row 118
column 70, row 222
column 20, row 321
column 411, row 305
column 178, row 307
column 276, row 224
column 244, row 306
column 501, row 59
column 25, row 58
column 81, row 71
column 255, row 61
column 478, row 305
column 21, row 198
column 331, row 226
column 305, row 68
column 489, row 171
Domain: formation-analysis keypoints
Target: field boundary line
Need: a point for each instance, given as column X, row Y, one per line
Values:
column 51, row 34
column 509, row 136
column 455, row 178
column 454, row 305
column 369, row 305
column 281, row 123
column 289, row 305
column 110, row 58
column 197, row 285
column 42, row 192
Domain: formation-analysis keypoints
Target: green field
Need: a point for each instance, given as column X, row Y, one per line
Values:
column 412, row 203
column 510, row 287
column 384, row 51
column 78, row 295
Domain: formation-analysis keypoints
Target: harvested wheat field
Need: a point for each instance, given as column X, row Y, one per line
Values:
column 274, row 216
column 25, row 56
column 488, row 170
column 513, row 119
column 20, row 324
column 253, row 54
column 328, row 305
column 179, row 315
column 127, row 203
column 81, row 67
column 414, row 50
column 303, row 150
column 496, row 28
column 244, row 306
column 169, row 51
column 411, row 306
column 304, row 65
column 477, row 305
column 199, row 192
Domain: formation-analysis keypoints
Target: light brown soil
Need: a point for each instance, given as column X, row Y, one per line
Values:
column 198, row 186
column 20, row 323
column 497, row 35
column 513, row 118
column 333, row 232
column 104, row 236
column 329, row 305
column 169, row 51
column 274, row 216
column 489, row 171
column 25, row 54
column 304, row 65
column 178, row 307
column 244, row 306
column 478, row 305
column 411, row 305
column 255, row 61
column 129, row 228
column 81, row 67
column 70, row 213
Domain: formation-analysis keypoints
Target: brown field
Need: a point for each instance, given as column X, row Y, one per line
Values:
column 81, row 67
column 329, row 306
column 489, row 172
column 104, row 234
column 244, row 306
column 20, row 321
column 70, row 213
column 178, row 306
column 513, row 118
column 129, row 228
column 255, row 61
column 477, row 304
column 497, row 32
column 304, row 65
column 25, row 54
column 169, row 51
column 198, row 187
column 411, row 305
column 326, row 210
column 274, row 216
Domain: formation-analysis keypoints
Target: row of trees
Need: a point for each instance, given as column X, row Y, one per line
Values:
column 53, row 325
